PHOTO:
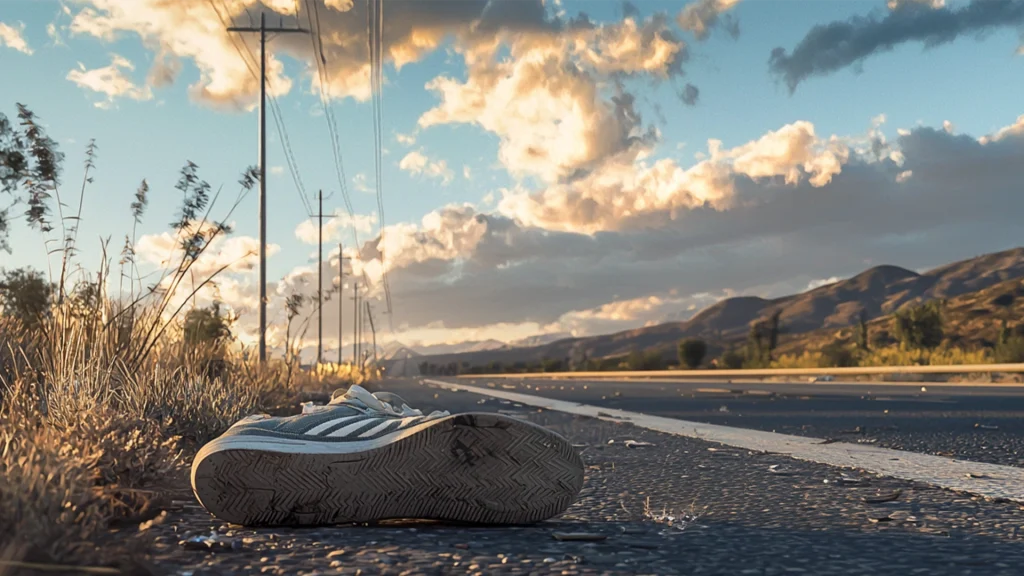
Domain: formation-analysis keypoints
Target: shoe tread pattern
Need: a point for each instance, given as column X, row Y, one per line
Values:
column 472, row 468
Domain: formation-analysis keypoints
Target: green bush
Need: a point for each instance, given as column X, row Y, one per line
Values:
column 731, row 360
column 692, row 352
column 918, row 327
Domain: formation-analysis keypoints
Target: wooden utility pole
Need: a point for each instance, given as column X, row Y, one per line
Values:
column 355, row 321
column 341, row 301
column 263, row 30
column 320, row 284
column 369, row 314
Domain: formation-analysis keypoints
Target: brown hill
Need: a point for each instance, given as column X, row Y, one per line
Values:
column 878, row 291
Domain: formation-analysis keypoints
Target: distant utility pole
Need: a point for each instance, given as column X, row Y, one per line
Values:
column 355, row 321
column 369, row 314
column 341, row 291
column 263, row 166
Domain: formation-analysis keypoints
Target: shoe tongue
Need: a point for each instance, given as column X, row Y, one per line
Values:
column 358, row 395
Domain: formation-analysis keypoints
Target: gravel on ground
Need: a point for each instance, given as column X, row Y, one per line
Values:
column 675, row 506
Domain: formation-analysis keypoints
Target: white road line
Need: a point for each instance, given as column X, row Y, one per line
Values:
column 989, row 480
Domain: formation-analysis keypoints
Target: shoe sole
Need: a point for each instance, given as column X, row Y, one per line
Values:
column 470, row 468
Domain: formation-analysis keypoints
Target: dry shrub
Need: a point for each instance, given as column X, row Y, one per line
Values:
column 63, row 487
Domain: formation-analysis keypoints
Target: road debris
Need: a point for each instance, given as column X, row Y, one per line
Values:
column 883, row 498
column 636, row 443
column 211, row 543
column 986, row 427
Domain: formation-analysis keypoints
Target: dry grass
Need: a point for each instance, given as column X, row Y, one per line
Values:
column 87, row 446
column 102, row 399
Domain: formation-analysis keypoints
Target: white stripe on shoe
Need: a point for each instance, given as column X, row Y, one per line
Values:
column 377, row 428
column 348, row 430
column 330, row 424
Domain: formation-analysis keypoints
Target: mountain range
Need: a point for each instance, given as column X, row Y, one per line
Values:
column 877, row 292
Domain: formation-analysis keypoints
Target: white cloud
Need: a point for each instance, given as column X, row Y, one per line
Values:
column 110, row 81
column 467, row 172
column 634, row 194
column 701, row 16
column 335, row 226
column 359, row 181
column 406, row 139
column 818, row 283
column 545, row 102
column 190, row 29
column 277, row 170
column 416, row 162
column 1013, row 130
column 13, row 38
column 933, row 4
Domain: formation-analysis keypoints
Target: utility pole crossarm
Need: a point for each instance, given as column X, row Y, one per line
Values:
column 274, row 30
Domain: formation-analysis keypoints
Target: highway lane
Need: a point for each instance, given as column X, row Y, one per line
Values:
column 982, row 423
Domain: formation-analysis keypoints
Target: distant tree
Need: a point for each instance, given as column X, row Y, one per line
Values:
column 207, row 331
column 919, row 326
column 731, row 360
column 635, row 360
column 25, row 295
column 551, row 365
column 424, row 368
column 692, row 352
column 862, row 330
column 649, row 360
column 757, row 354
column 206, row 327
column 773, row 331
column 654, row 360
column 1009, row 347
column 836, row 355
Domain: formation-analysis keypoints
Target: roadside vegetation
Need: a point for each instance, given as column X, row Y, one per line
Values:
column 109, row 386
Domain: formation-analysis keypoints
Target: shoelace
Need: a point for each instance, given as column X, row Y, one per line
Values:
column 385, row 402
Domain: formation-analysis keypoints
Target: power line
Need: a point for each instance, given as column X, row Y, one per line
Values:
column 274, row 109
column 375, row 42
column 332, row 128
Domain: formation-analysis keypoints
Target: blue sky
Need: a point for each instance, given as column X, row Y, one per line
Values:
column 974, row 83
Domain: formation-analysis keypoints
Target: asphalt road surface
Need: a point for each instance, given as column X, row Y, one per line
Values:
column 970, row 422
column 676, row 506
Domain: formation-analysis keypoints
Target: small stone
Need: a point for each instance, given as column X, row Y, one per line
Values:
column 461, row 546
column 335, row 553
column 195, row 545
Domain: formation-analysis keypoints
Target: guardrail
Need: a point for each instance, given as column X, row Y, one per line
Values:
column 769, row 372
